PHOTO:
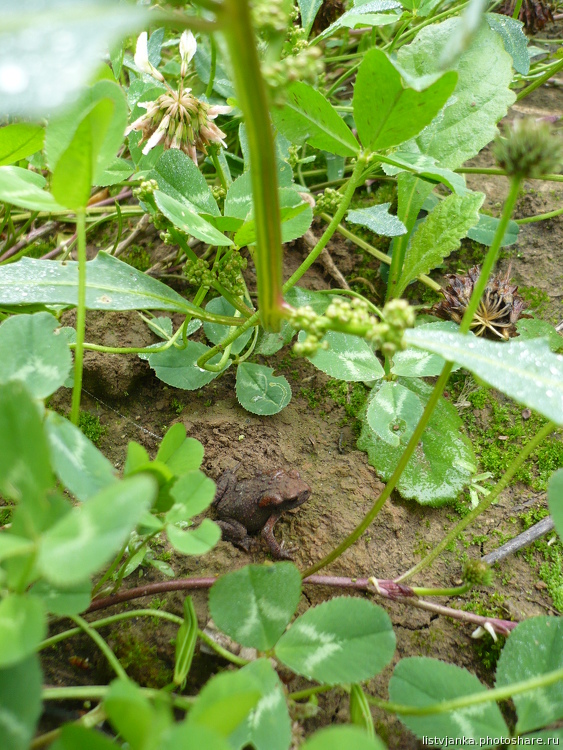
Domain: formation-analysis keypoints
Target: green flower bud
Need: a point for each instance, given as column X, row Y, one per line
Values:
column 477, row 573
column 529, row 149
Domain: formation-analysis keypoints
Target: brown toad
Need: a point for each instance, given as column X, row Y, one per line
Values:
column 247, row 506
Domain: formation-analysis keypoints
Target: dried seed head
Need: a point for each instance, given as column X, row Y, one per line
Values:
column 533, row 13
column 529, row 149
column 499, row 309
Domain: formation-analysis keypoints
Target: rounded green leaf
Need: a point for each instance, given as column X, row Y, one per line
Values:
column 192, row 494
column 347, row 358
column 268, row 726
column 180, row 178
column 22, row 628
column 190, row 735
column 63, row 602
column 23, row 188
column 535, row 647
column 393, row 413
column 32, row 352
column 342, row 738
column 307, row 116
column 186, row 218
column 259, row 391
column 254, row 605
column 76, row 737
column 225, row 701
column 414, row 363
column 20, row 698
column 178, row 367
column 343, row 640
column 84, row 540
column 194, row 541
column 443, row 462
column 420, row 681
column 77, row 462
column 377, row 219
column 555, row 497
column 19, row 140
column 179, row 453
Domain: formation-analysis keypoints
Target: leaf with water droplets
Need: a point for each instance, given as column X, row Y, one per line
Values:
column 527, row 371
column 347, row 358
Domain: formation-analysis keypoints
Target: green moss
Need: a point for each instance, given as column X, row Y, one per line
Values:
column 140, row 657
column 137, row 257
column 177, row 405
column 537, row 299
column 91, row 427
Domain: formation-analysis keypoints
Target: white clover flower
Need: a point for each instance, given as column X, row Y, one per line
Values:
column 188, row 47
column 158, row 135
column 142, row 58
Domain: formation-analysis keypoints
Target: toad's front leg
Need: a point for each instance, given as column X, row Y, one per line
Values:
column 268, row 536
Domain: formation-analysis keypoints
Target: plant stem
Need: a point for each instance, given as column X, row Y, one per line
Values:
column 308, row 692
column 475, row 699
column 80, row 315
column 99, row 692
column 331, row 229
column 540, row 81
column 517, row 8
column 502, row 173
column 253, row 101
column 485, row 503
column 540, row 217
column 453, row 591
column 478, row 290
column 102, row 645
column 213, row 66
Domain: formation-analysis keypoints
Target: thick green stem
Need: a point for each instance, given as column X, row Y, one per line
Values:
column 488, row 264
column 253, row 101
column 528, row 449
column 99, row 692
column 80, row 315
column 540, row 81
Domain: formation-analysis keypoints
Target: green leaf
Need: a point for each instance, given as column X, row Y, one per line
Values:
column 298, row 297
column 190, row 735
column 73, row 175
column 535, row 647
column 186, row 640
column 378, row 219
column 117, row 170
column 389, row 110
column 268, row 726
column 20, row 698
column 19, row 140
column 77, row 462
column 136, row 720
column 192, row 493
column 194, row 542
column 112, row 285
column 25, row 470
column 426, row 167
column 515, row 41
column 555, row 497
column 420, row 681
column 527, row 371
column 414, row 363
column 296, row 216
column 254, row 605
column 76, row 737
column 44, row 72
column 63, row 602
column 371, row 13
column 88, row 537
column 270, row 343
column 186, row 218
column 14, row 546
column 260, row 391
column 216, row 333
column 225, row 701
column 22, row 628
column 23, row 188
column 342, row 738
column 308, row 10
column 32, row 352
column 178, row 367
column 439, row 235
column 347, row 358
column 221, row 82
column 485, row 230
column 343, row 640
column 443, row 462
column 179, row 453
column 481, row 97
column 308, row 117
column 393, row 413
column 360, row 712
column 178, row 177
column 107, row 134
column 535, row 328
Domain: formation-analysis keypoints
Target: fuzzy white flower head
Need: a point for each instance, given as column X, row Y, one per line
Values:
column 188, row 46
column 142, row 58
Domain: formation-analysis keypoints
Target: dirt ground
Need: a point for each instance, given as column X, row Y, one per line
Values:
column 318, row 440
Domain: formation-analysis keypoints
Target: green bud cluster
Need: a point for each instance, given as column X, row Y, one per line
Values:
column 218, row 192
column 353, row 316
column 477, row 573
column 304, row 66
column 145, row 189
column 529, row 149
column 230, row 272
column 160, row 222
column 198, row 272
column 328, row 202
column 269, row 16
